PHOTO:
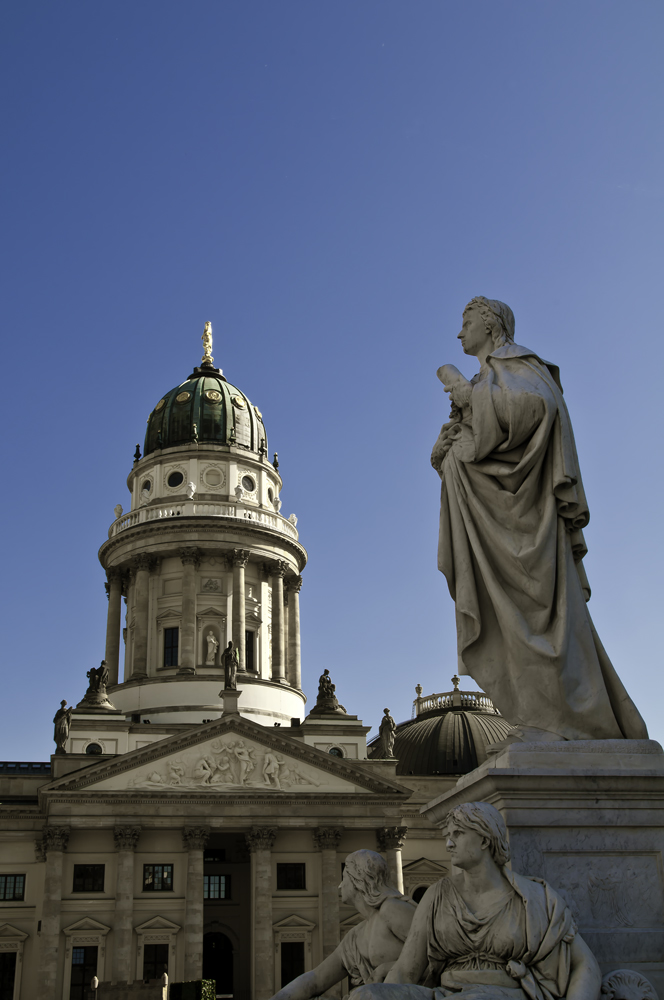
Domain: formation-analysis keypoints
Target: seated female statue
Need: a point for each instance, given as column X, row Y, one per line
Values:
column 488, row 933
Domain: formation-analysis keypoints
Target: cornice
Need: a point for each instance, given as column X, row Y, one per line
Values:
column 194, row 526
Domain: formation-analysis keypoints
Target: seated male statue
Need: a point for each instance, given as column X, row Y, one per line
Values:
column 371, row 948
column 487, row 933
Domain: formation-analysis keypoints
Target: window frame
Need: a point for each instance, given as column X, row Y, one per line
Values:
column 169, row 647
column 153, row 887
column 227, row 886
column 4, row 898
column 302, row 865
column 83, row 889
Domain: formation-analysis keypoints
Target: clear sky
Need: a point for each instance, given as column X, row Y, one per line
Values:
column 329, row 183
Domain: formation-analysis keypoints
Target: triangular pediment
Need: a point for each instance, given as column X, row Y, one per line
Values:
column 157, row 924
column 425, row 867
column 10, row 933
column 210, row 613
column 86, row 924
column 294, row 923
column 228, row 755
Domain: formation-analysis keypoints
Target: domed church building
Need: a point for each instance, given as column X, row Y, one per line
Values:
column 196, row 814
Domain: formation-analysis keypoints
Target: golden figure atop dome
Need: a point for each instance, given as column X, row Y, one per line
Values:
column 207, row 344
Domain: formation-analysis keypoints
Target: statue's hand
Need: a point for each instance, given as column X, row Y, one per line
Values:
column 456, row 384
column 446, row 439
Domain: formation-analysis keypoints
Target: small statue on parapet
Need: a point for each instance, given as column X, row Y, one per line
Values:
column 370, row 949
column 96, row 696
column 61, row 723
column 327, row 702
column 386, row 732
column 231, row 662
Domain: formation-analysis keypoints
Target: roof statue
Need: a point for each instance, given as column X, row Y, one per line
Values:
column 207, row 358
column 511, row 545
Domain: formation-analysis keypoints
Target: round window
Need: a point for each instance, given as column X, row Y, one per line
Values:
column 248, row 484
column 160, row 405
column 182, row 397
column 93, row 748
column 212, row 477
column 147, row 486
column 175, row 479
column 335, row 752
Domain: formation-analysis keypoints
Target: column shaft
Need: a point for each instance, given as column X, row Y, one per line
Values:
column 260, row 842
column 190, row 559
column 277, row 581
column 390, row 841
column 327, row 841
column 112, row 656
column 194, row 839
column 54, row 843
column 141, row 605
column 240, row 557
column 125, row 842
column 294, row 649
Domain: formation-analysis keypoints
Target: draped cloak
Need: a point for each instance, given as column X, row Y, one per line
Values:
column 511, row 544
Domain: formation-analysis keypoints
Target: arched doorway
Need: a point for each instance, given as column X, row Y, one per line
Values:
column 218, row 962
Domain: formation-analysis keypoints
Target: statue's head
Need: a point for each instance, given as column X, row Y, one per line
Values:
column 497, row 318
column 485, row 820
column 366, row 873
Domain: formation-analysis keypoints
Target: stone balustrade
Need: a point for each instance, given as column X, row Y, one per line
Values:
column 470, row 700
column 192, row 508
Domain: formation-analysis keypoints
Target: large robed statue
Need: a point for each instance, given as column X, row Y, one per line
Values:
column 511, row 543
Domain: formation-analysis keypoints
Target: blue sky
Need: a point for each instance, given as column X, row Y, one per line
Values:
column 329, row 183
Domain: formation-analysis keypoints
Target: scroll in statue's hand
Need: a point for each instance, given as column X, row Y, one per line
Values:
column 456, row 384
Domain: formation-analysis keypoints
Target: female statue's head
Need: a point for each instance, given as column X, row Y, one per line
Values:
column 366, row 872
column 484, row 819
column 497, row 317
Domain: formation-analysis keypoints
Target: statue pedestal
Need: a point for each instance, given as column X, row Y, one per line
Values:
column 588, row 817
column 230, row 700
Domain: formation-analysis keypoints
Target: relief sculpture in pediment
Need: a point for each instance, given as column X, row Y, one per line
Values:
column 225, row 764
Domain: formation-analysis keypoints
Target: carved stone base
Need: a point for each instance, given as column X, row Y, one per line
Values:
column 588, row 817
column 230, row 700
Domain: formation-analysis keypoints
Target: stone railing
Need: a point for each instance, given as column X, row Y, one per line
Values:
column 192, row 508
column 471, row 700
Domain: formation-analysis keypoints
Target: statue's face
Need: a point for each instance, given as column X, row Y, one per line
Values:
column 346, row 889
column 473, row 335
column 466, row 847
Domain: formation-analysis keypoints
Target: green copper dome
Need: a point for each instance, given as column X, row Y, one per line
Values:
column 208, row 409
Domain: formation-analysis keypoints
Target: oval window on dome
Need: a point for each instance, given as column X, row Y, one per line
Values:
column 213, row 477
column 258, row 413
column 213, row 395
column 160, row 405
column 147, row 486
column 175, row 479
column 182, row 397
column 248, row 484
column 238, row 401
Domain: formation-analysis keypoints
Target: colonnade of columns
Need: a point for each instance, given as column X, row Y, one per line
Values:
column 134, row 580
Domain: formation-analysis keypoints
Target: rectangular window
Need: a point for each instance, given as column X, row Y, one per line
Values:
column 216, row 887
column 12, row 886
column 171, row 643
column 250, row 650
column 292, row 961
column 83, row 968
column 7, row 974
column 291, row 876
column 155, row 961
column 157, row 878
column 88, row 878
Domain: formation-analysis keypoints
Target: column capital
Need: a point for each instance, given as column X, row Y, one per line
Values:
column 144, row 561
column 239, row 557
column 194, row 838
column 114, row 574
column 327, row 838
column 261, row 838
column 391, row 837
column 126, row 837
column 293, row 583
column 278, row 568
column 55, row 838
column 189, row 555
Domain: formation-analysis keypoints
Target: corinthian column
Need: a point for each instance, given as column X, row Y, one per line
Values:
column 194, row 839
column 112, row 657
column 239, row 558
column 54, row 843
column 277, row 573
column 327, row 841
column 390, row 841
column 190, row 559
column 260, row 842
column 142, row 565
column 294, row 583
column 126, row 838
